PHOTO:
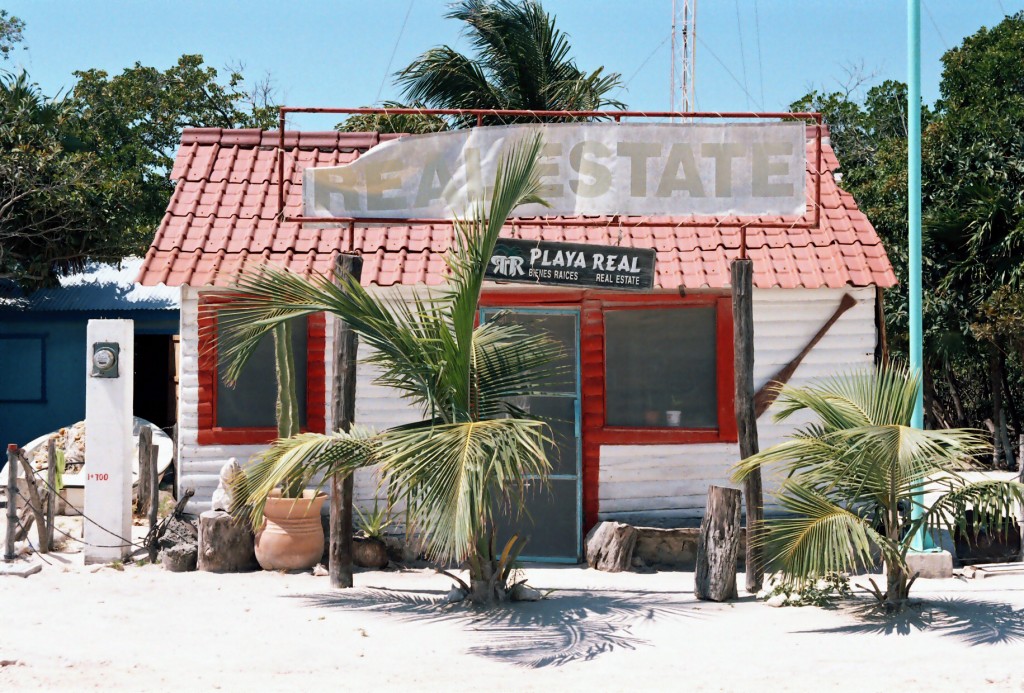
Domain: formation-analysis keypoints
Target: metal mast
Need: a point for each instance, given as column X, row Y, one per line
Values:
column 684, row 52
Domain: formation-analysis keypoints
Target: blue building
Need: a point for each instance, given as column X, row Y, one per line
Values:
column 43, row 349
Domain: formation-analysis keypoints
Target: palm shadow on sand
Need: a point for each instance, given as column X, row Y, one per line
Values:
column 973, row 621
column 568, row 626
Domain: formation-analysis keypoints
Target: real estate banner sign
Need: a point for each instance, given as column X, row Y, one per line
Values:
column 587, row 169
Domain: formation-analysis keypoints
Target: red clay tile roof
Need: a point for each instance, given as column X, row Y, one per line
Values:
column 221, row 220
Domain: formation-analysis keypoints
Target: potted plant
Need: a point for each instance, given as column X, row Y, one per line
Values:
column 291, row 536
column 369, row 549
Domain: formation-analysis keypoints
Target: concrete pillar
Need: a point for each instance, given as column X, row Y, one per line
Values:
column 108, row 439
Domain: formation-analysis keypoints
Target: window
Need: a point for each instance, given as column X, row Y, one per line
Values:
column 246, row 413
column 24, row 358
column 661, row 368
column 252, row 402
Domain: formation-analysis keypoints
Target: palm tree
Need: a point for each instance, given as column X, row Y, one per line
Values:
column 521, row 61
column 473, row 450
column 851, row 477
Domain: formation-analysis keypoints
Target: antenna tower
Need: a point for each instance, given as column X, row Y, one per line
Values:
column 684, row 51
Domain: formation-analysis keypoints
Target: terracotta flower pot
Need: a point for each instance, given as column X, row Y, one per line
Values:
column 292, row 537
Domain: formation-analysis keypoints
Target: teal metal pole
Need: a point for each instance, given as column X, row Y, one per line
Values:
column 920, row 541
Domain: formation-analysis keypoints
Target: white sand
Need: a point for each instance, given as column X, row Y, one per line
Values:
column 72, row 627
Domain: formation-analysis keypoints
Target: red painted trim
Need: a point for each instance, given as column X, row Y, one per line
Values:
column 594, row 432
column 726, row 373
column 209, row 433
column 591, row 405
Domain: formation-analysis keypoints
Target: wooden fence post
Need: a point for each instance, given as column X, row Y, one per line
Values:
column 12, row 500
column 145, row 451
column 344, row 391
column 746, row 416
column 51, row 491
column 154, row 499
column 34, row 502
column 718, row 546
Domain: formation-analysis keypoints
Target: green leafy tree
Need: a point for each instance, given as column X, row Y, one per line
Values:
column 473, row 451
column 86, row 175
column 55, row 197
column 852, row 476
column 11, row 35
column 133, row 122
column 973, row 189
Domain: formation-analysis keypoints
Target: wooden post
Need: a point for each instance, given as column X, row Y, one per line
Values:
column 746, row 417
column 154, row 499
column 51, row 491
column 145, row 451
column 12, row 500
column 344, row 391
column 34, row 502
column 718, row 546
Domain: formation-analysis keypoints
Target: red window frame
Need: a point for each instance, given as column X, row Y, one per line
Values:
column 209, row 433
column 663, row 435
column 594, row 431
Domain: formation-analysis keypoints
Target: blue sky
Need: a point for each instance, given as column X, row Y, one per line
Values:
column 751, row 54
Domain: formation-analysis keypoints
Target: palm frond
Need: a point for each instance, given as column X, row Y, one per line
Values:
column 820, row 537
column 454, row 474
column 304, row 456
column 992, row 502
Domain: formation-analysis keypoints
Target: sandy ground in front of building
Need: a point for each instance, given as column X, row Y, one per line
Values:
column 77, row 627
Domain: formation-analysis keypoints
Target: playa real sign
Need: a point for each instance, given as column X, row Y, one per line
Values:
column 585, row 168
column 571, row 264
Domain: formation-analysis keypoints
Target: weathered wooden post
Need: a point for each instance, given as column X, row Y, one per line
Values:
column 51, row 495
column 346, row 344
column 746, row 417
column 145, row 451
column 35, row 504
column 12, row 500
column 154, row 499
column 718, row 546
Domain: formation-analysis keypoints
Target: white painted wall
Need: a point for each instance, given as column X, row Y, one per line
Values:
column 666, row 485
column 644, row 484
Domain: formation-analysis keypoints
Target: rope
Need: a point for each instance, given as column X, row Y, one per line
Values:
column 85, row 517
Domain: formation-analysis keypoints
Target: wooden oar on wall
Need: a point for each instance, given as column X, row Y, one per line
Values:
column 767, row 395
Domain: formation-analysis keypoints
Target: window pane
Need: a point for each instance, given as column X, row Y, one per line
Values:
column 558, row 327
column 660, row 368
column 252, row 402
column 23, row 377
column 559, row 413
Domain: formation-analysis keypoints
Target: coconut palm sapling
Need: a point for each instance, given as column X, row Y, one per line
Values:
column 473, row 451
column 851, row 475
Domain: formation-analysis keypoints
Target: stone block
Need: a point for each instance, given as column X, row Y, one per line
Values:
column 931, row 564
column 180, row 558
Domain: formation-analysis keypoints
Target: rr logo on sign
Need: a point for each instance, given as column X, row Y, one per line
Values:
column 508, row 266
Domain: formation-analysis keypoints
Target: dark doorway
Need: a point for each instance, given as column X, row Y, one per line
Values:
column 155, row 396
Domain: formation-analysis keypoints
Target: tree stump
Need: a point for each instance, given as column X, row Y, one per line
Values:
column 225, row 545
column 718, row 546
column 610, row 546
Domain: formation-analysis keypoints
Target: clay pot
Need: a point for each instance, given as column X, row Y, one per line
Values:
column 292, row 537
column 369, row 553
